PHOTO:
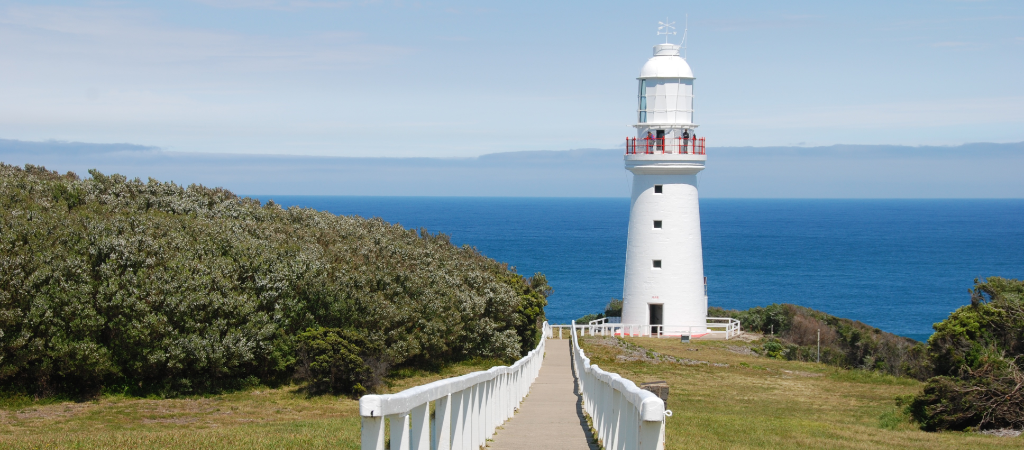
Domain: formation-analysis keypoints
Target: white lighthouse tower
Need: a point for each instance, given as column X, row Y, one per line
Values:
column 664, row 283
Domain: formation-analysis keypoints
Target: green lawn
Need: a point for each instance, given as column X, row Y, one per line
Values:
column 756, row 402
column 261, row 418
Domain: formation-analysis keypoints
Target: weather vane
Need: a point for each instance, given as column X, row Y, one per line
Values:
column 666, row 28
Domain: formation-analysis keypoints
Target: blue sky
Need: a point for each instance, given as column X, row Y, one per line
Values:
column 468, row 78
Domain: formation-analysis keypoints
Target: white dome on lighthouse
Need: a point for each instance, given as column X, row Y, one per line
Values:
column 666, row 63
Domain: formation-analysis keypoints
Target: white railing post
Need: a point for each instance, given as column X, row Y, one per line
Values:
column 650, row 435
column 458, row 419
column 481, row 414
column 443, row 423
column 471, row 416
column 615, row 422
column 420, row 420
column 399, row 431
column 372, row 433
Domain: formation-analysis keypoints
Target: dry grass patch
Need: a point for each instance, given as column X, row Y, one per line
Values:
column 260, row 418
column 739, row 400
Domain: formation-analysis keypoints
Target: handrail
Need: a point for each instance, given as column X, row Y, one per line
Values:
column 731, row 326
column 665, row 145
column 713, row 326
column 624, row 415
column 467, row 409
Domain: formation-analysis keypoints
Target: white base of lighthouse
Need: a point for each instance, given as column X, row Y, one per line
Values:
column 664, row 279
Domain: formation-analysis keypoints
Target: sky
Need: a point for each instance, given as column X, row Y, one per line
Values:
column 463, row 79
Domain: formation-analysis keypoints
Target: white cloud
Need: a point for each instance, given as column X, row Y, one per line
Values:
column 135, row 40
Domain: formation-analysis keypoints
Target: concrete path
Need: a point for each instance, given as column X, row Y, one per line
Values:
column 552, row 415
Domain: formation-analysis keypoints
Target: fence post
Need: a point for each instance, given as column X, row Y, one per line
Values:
column 615, row 424
column 420, row 436
column 443, row 423
column 372, row 434
column 458, row 416
column 472, row 412
column 650, row 435
column 399, row 431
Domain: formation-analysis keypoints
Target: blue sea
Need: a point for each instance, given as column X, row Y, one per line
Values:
column 899, row 265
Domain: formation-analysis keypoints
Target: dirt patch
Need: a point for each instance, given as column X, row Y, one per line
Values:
column 172, row 420
column 1005, row 432
column 171, row 406
column 632, row 352
column 741, row 350
column 58, row 411
column 747, row 336
column 801, row 374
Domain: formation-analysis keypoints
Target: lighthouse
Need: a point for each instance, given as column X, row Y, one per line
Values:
column 664, row 281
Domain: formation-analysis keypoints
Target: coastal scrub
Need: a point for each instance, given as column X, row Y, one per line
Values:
column 150, row 288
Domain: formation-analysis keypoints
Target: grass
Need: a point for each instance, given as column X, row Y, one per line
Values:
column 279, row 418
column 757, row 402
column 754, row 402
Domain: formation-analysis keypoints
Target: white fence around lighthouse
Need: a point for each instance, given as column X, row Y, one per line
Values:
column 624, row 416
column 716, row 327
column 466, row 409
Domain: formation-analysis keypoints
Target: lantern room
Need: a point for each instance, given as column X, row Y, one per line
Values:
column 665, row 96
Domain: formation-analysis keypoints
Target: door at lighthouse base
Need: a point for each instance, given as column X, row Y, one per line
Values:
column 655, row 318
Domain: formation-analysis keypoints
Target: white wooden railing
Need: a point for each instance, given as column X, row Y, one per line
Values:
column 624, row 416
column 726, row 327
column 467, row 409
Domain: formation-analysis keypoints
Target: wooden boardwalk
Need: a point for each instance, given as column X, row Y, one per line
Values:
column 552, row 415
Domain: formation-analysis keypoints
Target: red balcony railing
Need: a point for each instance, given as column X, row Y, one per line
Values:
column 661, row 146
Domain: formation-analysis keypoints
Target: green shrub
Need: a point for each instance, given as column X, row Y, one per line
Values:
column 614, row 308
column 153, row 288
column 773, row 348
column 774, row 318
column 978, row 353
column 329, row 359
column 844, row 343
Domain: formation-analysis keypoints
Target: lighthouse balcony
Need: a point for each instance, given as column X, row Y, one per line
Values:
column 664, row 146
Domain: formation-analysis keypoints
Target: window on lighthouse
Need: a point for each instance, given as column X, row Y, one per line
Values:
column 643, row 103
column 657, row 189
column 657, row 224
column 657, row 264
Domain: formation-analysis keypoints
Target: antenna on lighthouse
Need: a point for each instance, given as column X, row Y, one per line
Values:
column 666, row 28
column 686, row 28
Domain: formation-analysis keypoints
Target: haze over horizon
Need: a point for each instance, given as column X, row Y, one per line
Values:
column 981, row 170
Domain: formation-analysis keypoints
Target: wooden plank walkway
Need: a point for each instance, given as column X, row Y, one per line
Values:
column 552, row 415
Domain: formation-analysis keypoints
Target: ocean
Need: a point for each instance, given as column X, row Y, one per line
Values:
column 899, row 265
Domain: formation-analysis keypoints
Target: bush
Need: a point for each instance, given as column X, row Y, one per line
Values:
column 990, row 397
column 773, row 348
column 614, row 308
column 844, row 343
column 155, row 288
column 329, row 359
column 978, row 353
column 774, row 318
